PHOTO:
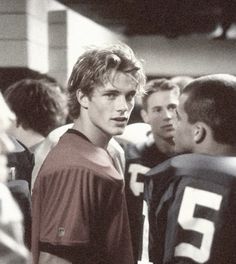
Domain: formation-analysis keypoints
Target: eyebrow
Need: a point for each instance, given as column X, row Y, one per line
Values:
column 157, row 107
column 110, row 91
column 172, row 104
column 115, row 91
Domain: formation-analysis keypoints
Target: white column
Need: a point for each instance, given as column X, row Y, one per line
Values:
column 58, row 66
column 24, row 34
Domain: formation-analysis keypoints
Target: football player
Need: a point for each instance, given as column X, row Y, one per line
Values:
column 158, row 111
column 191, row 197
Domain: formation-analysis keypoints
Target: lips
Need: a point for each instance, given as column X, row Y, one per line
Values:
column 168, row 127
column 120, row 119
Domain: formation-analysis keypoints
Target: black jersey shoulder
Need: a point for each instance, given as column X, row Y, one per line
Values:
column 197, row 165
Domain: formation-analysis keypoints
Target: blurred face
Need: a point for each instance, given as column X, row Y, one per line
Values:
column 110, row 106
column 161, row 113
column 6, row 118
column 184, row 135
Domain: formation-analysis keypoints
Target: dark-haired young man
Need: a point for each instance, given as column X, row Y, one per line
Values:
column 79, row 206
column 158, row 110
column 40, row 106
column 191, row 197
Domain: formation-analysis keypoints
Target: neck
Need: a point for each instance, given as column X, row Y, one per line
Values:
column 94, row 134
column 223, row 151
column 218, row 149
column 165, row 145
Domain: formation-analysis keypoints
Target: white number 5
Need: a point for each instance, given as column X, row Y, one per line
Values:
column 187, row 221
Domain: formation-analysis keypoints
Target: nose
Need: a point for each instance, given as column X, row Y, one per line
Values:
column 167, row 114
column 122, row 104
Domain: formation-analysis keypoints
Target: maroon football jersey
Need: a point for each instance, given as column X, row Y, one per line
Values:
column 78, row 200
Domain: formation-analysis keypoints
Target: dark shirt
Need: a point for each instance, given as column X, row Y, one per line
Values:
column 192, row 201
column 139, row 159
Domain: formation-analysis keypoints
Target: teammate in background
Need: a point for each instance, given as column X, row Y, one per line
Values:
column 40, row 106
column 191, row 197
column 158, row 110
column 11, row 221
column 79, row 206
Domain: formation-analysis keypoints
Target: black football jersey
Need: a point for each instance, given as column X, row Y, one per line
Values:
column 139, row 159
column 20, row 162
column 192, row 210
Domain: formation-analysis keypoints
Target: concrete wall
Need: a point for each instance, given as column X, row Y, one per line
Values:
column 35, row 35
column 192, row 55
column 46, row 36
column 23, row 34
column 69, row 35
column 83, row 32
column 58, row 66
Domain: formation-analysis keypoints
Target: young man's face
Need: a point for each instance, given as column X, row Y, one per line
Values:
column 160, row 114
column 110, row 106
column 184, row 134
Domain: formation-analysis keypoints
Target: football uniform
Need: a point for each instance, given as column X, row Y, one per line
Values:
column 139, row 159
column 192, row 210
column 79, row 207
column 113, row 148
column 20, row 163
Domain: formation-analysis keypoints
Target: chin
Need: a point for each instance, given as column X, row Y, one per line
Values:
column 169, row 135
column 118, row 132
column 179, row 150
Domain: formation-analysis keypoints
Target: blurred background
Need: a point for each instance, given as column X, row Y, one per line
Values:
column 173, row 37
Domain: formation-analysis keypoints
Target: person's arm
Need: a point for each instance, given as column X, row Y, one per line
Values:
column 12, row 245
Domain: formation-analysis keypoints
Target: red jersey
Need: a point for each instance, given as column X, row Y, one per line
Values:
column 79, row 201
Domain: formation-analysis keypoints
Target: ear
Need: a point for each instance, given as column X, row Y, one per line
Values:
column 144, row 116
column 82, row 99
column 200, row 132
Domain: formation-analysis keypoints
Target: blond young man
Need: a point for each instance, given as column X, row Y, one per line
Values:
column 79, row 207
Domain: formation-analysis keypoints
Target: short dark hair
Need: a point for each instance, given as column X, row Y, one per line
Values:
column 182, row 81
column 156, row 85
column 12, row 74
column 93, row 67
column 38, row 104
column 212, row 100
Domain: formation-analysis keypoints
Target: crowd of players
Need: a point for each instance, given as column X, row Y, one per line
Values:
column 160, row 190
